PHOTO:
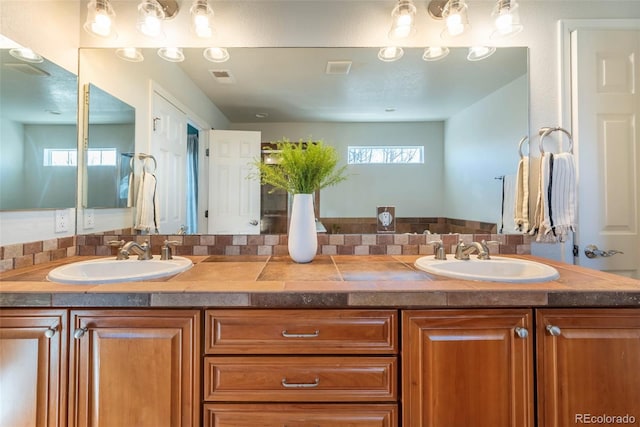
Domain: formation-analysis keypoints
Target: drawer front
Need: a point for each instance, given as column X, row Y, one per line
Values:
column 301, row 332
column 300, row 379
column 300, row 415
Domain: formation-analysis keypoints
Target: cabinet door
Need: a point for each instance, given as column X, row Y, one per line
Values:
column 300, row 415
column 135, row 368
column 467, row 368
column 33, row 369
column 588, row 366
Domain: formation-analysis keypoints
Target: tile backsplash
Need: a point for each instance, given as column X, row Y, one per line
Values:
column 27, row 254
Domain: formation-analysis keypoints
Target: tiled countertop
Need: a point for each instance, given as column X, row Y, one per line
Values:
column 329, row 281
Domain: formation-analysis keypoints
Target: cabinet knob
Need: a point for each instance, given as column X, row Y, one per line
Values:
column 49, row 333
column 314, row 384
column 314, row 334
column 79, row 332
column 553, row 330
column 522, row 332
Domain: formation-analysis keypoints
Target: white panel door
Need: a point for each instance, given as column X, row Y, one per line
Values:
column 606, row 109
column 169, row 147
column 234, row 199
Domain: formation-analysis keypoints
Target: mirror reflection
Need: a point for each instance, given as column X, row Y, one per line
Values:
column 110, row 150
column 38, row 135
column 468, row 117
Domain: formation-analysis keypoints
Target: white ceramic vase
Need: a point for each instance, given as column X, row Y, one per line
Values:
column 303, row 238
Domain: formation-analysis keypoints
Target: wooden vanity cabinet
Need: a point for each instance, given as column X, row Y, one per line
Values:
column 33, row 367
column 467, row 368
column 302, row 368
column 588, row 366
column 134, row 368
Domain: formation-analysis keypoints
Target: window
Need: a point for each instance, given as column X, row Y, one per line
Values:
column 364, row 155
column 68, row 157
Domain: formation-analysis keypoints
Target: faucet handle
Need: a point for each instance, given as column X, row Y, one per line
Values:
column 438, row 249
column 165, row 252
column 485, row 247
column 117, row 243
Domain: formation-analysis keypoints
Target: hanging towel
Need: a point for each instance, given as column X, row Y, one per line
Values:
column 562, row 196
column 508, row 194
column 147, row 212
column 541, row 221
column 521, row 208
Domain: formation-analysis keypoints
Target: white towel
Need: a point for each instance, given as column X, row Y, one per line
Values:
column 521, row 208
column 147, row 208
column 555, row 214
column 562, row 201
column 508, row 203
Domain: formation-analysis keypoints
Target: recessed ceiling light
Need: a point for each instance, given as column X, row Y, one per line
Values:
column 262, row 115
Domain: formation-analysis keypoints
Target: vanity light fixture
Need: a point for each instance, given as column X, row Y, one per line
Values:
column 216, row 54
column 100, row 18
column 171, row 54
column 435, row 53
column 130, row 54
column 150, row 17
column 390, row 53
column 201, row 19
column 455, row 15
column 26, row 54
column 506, row 18
column 478, row 53
column 403, row 20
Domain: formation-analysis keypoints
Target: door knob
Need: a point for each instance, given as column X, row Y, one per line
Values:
column 592, row 251
column 253, row 222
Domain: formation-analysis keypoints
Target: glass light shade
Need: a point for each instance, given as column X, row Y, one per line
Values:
column 130, row 54
column 216, row 54
column 390, row 53
column 435, row 53
column 171, row 54
column 506, row 19
column 26, row 54
column 150, row 17
column 201, row 18
column 455, row 15
column 478, row 53
column 100, row 18
column 403, row 24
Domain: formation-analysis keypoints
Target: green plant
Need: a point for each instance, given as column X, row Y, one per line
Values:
column 300, row 168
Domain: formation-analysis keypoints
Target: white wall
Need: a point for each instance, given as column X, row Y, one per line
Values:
column 415, row 190
column 475, row 155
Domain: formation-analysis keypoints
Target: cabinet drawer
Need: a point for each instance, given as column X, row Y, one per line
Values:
column 300, row 415
column 300, row 379
column 301, row 332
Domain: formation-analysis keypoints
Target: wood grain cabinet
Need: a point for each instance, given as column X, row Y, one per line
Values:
column 467, row 368
column 588, row 367
column 33, row 367
column 134, row 368
column 301, row 368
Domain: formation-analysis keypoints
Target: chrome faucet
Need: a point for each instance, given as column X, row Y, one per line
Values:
column 463, row 250
column 438, row 250
column 142, row 250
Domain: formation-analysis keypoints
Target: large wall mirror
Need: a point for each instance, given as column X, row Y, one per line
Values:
column 468, row 115
column 109, row 157
column 38, row 134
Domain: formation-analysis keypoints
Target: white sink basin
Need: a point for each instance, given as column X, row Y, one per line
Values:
column 110, row 270
column 496, row 269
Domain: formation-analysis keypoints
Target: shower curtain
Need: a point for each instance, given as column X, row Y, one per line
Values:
column 192, row 184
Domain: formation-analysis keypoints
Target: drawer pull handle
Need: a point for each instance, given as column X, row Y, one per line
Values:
column 314, row 384
column 288, row 335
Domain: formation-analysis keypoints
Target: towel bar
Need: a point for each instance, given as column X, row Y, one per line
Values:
column 546, row 131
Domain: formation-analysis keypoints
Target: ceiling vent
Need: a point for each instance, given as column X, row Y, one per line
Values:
column 338, row 67
column 27, row 69
column 223, row 76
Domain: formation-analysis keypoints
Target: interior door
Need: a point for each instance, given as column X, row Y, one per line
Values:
column 169, row 147
column 234, row 199
column 606, row 107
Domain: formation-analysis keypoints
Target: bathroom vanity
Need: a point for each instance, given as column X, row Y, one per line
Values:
column 364, row 341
